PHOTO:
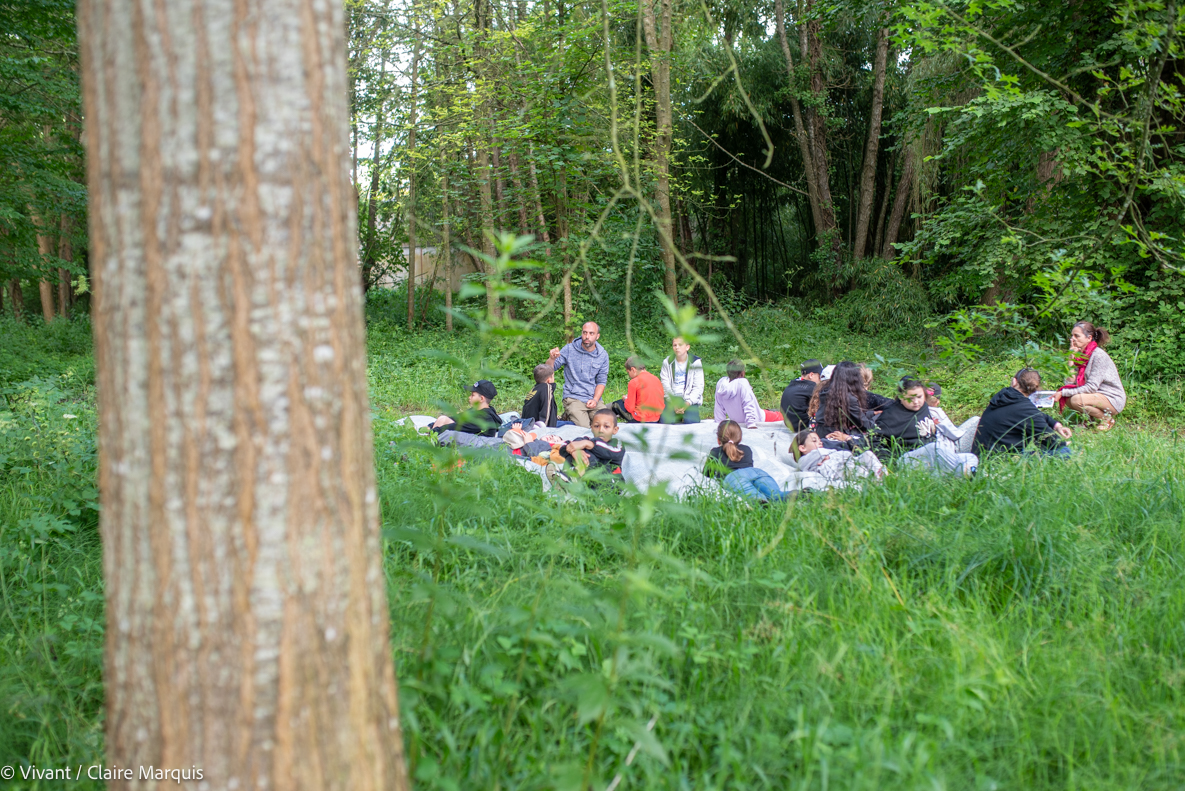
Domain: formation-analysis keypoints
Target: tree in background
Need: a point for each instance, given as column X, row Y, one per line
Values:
column 42, row 196
column 247, row 619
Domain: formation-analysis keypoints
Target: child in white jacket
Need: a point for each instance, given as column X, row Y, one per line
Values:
column 682, row 377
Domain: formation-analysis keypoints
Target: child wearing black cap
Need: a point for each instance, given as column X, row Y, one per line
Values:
column 796, row 398
column 483, row 419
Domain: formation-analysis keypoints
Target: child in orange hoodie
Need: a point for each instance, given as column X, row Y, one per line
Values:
column 644, row 397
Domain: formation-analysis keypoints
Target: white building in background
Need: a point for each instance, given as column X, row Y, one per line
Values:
column 429, row 267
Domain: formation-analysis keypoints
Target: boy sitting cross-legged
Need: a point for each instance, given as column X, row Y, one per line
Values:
column 643, row 402
column 598, row 452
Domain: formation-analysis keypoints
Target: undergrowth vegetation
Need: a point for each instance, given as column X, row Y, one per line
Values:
column 1020, row 630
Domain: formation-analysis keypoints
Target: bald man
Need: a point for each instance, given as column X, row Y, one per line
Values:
column 585, row 364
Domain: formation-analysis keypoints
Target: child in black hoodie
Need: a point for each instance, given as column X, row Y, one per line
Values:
column 540, row 404
column 1011, row 422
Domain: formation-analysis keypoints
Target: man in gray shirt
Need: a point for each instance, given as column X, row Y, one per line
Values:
column 586, row 372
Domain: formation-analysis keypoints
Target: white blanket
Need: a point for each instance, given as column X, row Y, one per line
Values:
column 675, row 454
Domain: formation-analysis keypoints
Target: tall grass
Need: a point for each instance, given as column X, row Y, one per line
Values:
column 1021, row 630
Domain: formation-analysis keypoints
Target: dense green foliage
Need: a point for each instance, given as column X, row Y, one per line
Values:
column 42, row 182
column 1017, row 630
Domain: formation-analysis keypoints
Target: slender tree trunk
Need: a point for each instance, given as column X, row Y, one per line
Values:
column 659, row 44
column 540, row 219
column 561, row 215
column 66, row 253
column 899, row 203
column 812, row 45
column 45, row 247
column 411, row 184
column 446, row 242
column 519, row 194
column 499, row 186
column 17, row 297
column 878, row 233
column 800, row 133
column 868, row 172
column 370, row 250
column 246, row 615
column 487, row 226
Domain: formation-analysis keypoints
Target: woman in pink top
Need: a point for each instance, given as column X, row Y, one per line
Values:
column 735, row 399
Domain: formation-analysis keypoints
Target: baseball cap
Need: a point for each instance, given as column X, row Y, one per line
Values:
column 811, row 366
column 484, row 387
column 827, row 372
column 934, row 389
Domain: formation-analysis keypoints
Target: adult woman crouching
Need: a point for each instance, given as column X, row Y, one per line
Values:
column 1096, row 390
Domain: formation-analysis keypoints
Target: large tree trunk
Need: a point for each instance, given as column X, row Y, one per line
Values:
column 247, row 619
column 800, row 133
column 868, row 172
column 411, row 186
column 903, row 192
column 659, row 44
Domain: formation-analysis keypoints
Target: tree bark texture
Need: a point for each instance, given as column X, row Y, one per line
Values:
column 247, row 619
column 868, row 171
column 659, row 41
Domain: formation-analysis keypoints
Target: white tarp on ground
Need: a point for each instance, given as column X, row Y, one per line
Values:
column 676, row 453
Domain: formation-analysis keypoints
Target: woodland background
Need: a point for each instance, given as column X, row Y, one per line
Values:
column 892, row 165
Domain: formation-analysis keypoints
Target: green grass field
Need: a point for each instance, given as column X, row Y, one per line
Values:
column 1023, row 630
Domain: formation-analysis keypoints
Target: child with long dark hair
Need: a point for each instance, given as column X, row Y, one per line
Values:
column 843, row 418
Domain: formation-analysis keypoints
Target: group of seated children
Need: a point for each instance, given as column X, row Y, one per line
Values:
column 913, row 429
column 842, row 431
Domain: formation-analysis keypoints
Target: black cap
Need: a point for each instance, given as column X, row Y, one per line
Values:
column 484, row 387
column 812, row 366
column 934, row 389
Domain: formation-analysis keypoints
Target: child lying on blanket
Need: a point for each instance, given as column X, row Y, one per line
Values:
column 598, row 452
column 485, row 420
column 732, row 464
column 837, row 466
column 530, row 441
